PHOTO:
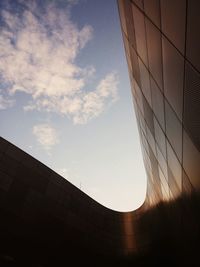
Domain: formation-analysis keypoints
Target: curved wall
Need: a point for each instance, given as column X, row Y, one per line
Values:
column 162, row 43
column 45, row 218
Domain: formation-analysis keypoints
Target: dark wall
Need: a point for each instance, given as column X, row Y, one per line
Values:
column 46, row 221
column 161, row 43
column 45, row 218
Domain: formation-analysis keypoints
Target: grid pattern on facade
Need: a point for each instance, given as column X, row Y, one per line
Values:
column 162, row 43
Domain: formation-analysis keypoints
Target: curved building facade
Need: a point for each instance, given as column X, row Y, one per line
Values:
column 46, row 221
column 162, row 47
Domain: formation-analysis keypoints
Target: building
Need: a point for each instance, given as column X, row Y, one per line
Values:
column 46, row 221
column 162, row 48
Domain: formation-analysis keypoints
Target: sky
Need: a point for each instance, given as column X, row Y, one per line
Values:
column 65, row 95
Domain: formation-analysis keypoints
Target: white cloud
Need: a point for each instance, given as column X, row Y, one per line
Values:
column 38, row 54
column 95, row 102
column 5, row 102
column 46, row 135
column 82, row 107
column 38, row 57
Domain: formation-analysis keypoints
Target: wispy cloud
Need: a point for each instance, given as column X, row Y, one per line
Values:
column 81, row 107
column 38, row 51
column 5, row 102
column 46, row 135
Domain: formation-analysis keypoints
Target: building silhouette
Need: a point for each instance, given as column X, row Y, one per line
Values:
column 46, row 221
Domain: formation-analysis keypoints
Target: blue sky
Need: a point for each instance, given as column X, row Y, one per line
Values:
column 65, row 95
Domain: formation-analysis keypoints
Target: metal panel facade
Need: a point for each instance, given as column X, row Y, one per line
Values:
column 165, row 85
